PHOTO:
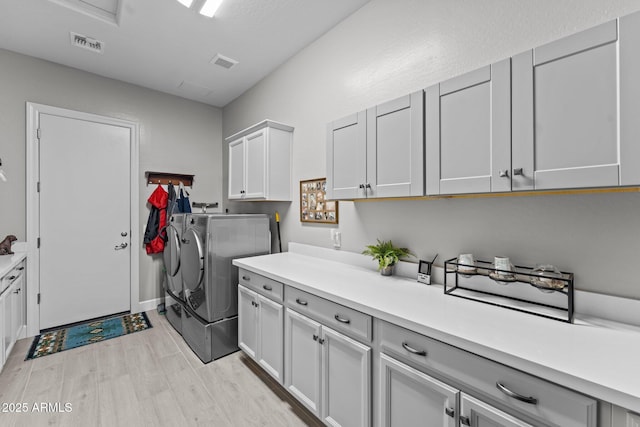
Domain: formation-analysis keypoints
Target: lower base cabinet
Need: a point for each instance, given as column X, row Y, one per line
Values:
column 13, row 320
column 260, row 330
column 410, row 398
column 476, row 413
column 327, row 371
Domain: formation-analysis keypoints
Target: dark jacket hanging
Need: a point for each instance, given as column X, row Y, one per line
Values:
column 153, row 234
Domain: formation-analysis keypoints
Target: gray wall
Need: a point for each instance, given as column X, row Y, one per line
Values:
column 176, row 135
column 393, row 47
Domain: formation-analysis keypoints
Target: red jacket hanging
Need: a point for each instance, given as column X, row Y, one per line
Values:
column 154, row 233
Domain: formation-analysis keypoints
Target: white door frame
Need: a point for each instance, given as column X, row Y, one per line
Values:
column 33, row 205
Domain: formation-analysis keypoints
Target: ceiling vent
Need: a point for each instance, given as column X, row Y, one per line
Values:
column 78, row 40
column 223, row 61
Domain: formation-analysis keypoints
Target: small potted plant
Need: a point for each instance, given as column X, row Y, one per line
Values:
column 387, row 255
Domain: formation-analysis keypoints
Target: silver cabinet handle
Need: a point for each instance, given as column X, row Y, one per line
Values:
column 503, row 173
column 247, row 278
column 413, row 350
column 341, row 319
column 465, row 420
column 121, row 246
column 301, row 302
column 518, row 171
column 361, row 186
column 267, row 288
column 123, row 234
column 450, row 412
column 521, row 398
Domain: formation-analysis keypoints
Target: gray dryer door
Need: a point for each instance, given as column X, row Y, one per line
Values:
column 192, row 267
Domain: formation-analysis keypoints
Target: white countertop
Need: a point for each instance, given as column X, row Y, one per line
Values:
column 600, row 361
column 7, row 262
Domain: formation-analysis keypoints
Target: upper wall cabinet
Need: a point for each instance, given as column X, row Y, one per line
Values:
column 346, row 157
column 468, row 132
column 378, row 153
column 260, row 162
column 575, row 107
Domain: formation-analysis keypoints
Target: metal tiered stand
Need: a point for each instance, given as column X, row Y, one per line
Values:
column 522, row 289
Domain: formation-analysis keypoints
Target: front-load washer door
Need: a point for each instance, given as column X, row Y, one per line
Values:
column 192, row 268
column 171, row 257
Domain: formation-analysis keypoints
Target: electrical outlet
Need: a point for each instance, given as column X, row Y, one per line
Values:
column 336, row 238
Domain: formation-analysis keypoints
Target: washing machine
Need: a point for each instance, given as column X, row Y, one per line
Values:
column 174, row 291
column 210, row 243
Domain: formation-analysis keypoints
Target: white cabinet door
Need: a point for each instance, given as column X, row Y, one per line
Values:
column 395, row 147
column 3, row 328
column 255, row 164
column 303, row 360
column 468, row 132
column 20, row 316
column 575, row 104
column 347, row 157
column 236, row 169
column 247, row 321
column 346, row 374
column 409, row 397
column 16, row 310
column 6, row 301
column 476, row 413
column 270, row 337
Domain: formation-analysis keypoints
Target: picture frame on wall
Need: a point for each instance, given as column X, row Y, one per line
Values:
column 314, row 207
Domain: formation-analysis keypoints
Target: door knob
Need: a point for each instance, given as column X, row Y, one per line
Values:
column 123, row 234
column 121, row 246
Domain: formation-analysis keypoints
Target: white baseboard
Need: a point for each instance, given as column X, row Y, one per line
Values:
column 147, row 305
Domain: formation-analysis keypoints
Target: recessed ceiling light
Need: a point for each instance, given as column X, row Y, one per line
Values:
column 210, row 7
column 186, row 3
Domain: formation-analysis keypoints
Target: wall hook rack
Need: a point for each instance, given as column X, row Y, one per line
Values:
column 165, row 178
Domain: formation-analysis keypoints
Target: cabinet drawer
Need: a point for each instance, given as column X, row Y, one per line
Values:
column 262, row 285
column 513, row 389
column 336, row 316
column 12, row 276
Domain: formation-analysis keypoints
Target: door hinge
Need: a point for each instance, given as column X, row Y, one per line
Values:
column 38, row 243
column 38, row 133
column 38, row 297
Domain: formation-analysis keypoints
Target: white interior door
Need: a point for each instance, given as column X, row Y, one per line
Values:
column 85, row 220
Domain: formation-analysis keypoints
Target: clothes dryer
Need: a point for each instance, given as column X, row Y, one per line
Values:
column 210, row 243
column 174, row 291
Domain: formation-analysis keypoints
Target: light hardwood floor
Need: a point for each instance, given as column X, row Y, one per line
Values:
column 147, row 378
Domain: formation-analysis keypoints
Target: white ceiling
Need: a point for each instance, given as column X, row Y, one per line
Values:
column 162, row 45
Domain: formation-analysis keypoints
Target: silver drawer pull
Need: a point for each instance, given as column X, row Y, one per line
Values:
column 341, row 319
column 247, row 278
column 521, row 398
column 301, row 302
column 267, row 288
column 465, row 420
column 413, row 350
